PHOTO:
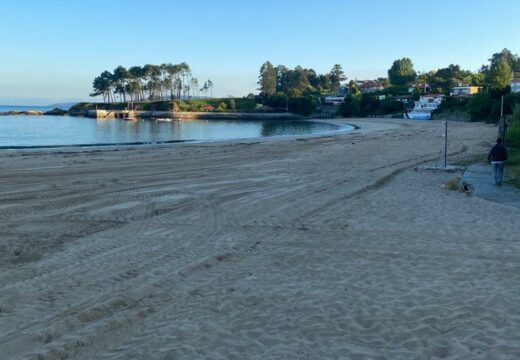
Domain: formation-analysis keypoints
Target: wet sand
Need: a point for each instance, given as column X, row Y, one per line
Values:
column 307, row 248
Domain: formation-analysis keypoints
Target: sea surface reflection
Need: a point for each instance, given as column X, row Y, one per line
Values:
column 36, row 131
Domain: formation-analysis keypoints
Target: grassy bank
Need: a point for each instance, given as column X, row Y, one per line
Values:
column 221, row 105
column 513, row 165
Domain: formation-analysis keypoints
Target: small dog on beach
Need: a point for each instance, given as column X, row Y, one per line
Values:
column 467, row 189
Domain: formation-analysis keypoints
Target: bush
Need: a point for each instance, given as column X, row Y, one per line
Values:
column 389, row 106
column 452, row 104
column 222, row 107
column 276, row 101
column 245, row 104
column 396, row 90
column 303, row 105
column 513, row 132
column 486, row 105
column 232, row 104
column 362, row 105
column 513, row 135
column 480, row 106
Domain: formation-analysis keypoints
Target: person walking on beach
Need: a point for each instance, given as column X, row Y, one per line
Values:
column 496, row 157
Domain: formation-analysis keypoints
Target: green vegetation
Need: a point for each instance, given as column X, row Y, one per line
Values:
column 402, row 72
column 494, row 80
column 513, row 165
column 267, row 79
column 222, row 105
column 279, row 102
column 357, row 104
column 297, row 90
column 485, row 106
column 198, row 105
column 513, row 132
column 500, row 75
column 441, row 81
column 512, row 141
column 300, row 90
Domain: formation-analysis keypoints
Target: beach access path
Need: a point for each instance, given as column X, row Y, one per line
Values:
column 333, row 246
column 481, row 177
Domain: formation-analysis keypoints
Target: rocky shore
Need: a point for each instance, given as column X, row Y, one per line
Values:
column 54, row 111
column 30, row 112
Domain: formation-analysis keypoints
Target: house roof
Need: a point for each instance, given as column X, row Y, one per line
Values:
column 365, row 84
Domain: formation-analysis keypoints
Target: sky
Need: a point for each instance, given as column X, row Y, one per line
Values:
column 50, row 51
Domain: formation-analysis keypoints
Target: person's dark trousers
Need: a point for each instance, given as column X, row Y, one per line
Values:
column 498, row 172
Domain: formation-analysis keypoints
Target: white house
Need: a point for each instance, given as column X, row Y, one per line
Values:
column 515, row 85
column 425, row 106
column 464, row 91
column 333, row 100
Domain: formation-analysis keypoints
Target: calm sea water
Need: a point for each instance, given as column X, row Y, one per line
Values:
column 41, row 131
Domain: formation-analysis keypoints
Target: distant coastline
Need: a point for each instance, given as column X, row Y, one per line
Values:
column 35, row 110
column 10, row 110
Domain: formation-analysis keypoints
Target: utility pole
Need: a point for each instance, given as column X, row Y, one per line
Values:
column 502, row 121
column 445, row 144
column 502, row 108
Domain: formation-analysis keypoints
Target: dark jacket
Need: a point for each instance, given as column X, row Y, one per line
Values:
column 498, row 153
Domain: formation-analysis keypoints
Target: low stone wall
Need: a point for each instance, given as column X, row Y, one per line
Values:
column 111, row 114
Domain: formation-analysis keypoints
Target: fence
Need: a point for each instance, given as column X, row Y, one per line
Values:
column 509, row 130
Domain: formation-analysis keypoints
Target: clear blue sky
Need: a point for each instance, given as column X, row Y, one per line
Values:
column 51, row 50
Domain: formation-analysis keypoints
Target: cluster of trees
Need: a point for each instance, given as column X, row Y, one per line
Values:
column 357, row 104
column 402, row 76
column 298, row 81
column 296, row 90
column 495, row 76
column 149, row 82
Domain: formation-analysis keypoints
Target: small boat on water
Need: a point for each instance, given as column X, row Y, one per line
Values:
column 164, row 119
column 130, row 119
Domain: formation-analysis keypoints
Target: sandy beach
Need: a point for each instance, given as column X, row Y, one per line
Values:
column 329, row 247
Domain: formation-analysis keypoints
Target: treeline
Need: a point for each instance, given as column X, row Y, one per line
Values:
column 298, row 81
column 296, row 90
column 149, row 82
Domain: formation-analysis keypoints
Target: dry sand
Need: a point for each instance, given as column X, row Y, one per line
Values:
column 332, row 247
